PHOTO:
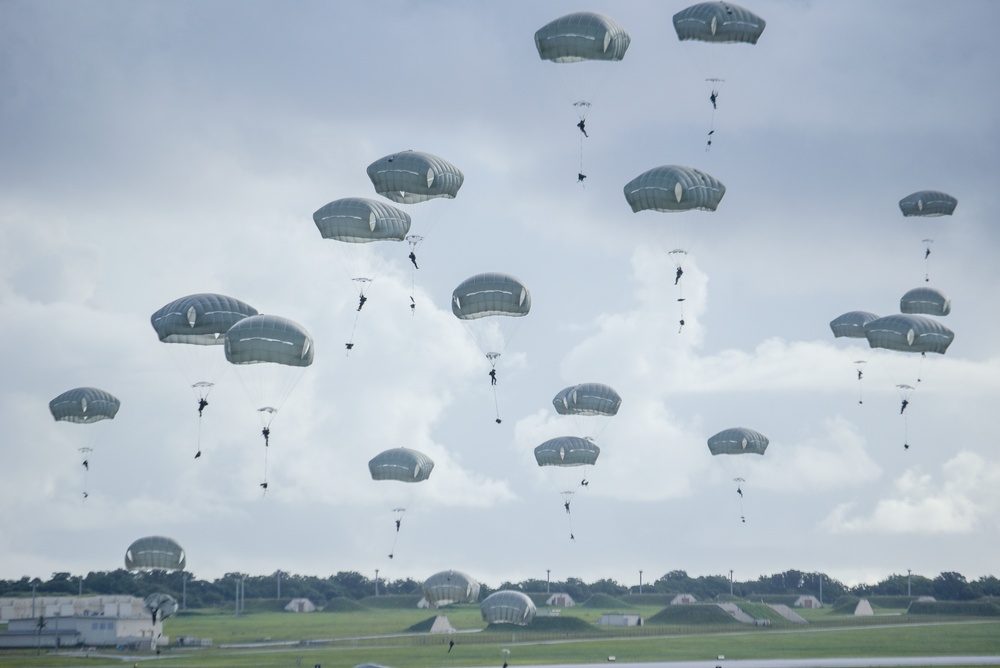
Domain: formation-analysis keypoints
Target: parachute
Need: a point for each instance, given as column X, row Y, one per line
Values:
column 85, row 405
column 587, row 399
column 738, row 441
column 491, row 306
column 718, row 22
column 155, row 553
column 448, row 587
column 199, row 323
column 927, row 301
column 412, row 177
column 568, row 452
column 713, row 24
column 671, row 188
column 581, row 36
column 508, row 607
column 587, row 404
column 909, row 334
column 928, row 203
column 674, row 188
column 851, row 324
column 269, row 353
column 581, row 43
column 358, row 226
column 402, row 465
column 160, row 606
column 908, row 338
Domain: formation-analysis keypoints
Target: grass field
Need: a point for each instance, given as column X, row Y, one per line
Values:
column 365, row 634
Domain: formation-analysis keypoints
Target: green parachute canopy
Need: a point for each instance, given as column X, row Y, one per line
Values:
column 410, row 177
column 581, row 36
column 721, row 22
column 84, row 405
column 670, row 188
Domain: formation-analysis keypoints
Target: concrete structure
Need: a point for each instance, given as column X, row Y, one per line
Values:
column 300, row 605
column 864, row 609
column 808, row 601
column 561, row 600
column 788, row 613
column 619, row 619
column 90, row 630
column 683, row 599
column 442, row 625
column 79, row 620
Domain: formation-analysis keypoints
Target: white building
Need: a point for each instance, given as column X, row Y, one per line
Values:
column 79, row 620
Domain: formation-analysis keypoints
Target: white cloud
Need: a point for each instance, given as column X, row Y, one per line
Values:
column 961, row 503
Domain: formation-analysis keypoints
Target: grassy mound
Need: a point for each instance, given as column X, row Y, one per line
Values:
column 695, row 613
column 846, row 605
column 422, row 626
column 961, row 608
column 391, row 601
column 341, row 604
column 605, row 602
column 547, row 625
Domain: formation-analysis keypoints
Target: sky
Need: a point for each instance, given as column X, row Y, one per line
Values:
column 153, row 150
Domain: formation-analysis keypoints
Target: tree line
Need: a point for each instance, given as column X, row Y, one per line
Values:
column 192, row 592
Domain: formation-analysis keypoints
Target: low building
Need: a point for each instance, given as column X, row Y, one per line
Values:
column 619, row 619
column 808, row 601
column 683, row 599
column 68, row 621
column 91, row 630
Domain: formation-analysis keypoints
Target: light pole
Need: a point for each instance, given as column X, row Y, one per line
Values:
column 640, row 581
column 376, row 582
column 730, row 582
column 821, row 589
column 908, row 574
column 548, row 573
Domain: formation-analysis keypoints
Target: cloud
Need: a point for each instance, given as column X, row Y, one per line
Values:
column 960, row 503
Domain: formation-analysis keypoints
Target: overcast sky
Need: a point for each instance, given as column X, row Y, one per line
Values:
column 151, row 150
